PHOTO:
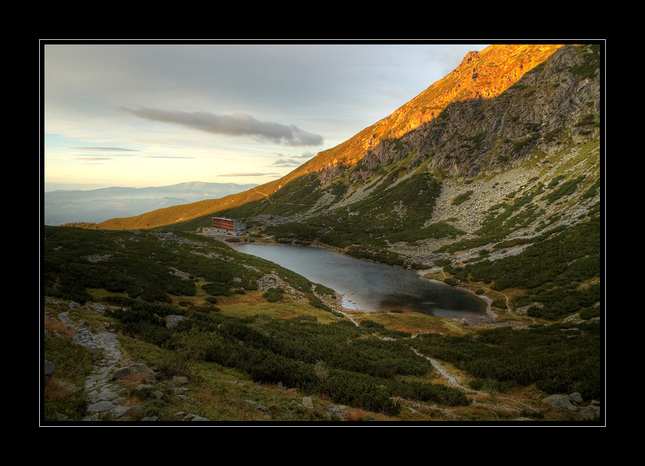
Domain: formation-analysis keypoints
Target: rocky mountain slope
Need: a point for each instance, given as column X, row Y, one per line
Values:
column 502, row 158
column 483, row 74
column 442, row 177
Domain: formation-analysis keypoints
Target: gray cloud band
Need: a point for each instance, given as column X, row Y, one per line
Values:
column 237, row 124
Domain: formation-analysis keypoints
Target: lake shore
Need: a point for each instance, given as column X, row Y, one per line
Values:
column 367, row 286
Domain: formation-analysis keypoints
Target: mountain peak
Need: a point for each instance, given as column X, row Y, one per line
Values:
column 470, row 56
column 481, row 76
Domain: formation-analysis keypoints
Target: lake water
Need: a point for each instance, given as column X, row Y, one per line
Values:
column 370, row 286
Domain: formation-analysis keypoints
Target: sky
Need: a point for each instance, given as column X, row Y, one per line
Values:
column 155, row 114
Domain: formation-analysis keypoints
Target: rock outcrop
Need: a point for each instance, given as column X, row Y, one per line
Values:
column 493, row 125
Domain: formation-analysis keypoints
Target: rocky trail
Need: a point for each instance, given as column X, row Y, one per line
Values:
column 104, row 395
column 107, row 398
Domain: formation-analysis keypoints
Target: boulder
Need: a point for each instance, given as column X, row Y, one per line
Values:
column 49, row 368
column 179, row 381
column 194, row 417
column 590, row 413
column 100, row 407
column 307, row 402
column 337, row 411
column 120, row 411
column 560, row 402
column 576, row 397
column 138, row 368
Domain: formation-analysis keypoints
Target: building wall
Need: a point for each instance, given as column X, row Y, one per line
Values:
column 224, row 223
column 228, row 224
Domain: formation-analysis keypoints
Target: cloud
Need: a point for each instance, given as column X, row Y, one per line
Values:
column 305, row 155
column 98, row 148
column 250, row 174
column 93, row 159
column 237, row 124
column 293, row 162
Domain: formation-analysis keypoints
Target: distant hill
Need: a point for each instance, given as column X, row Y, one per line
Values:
column 98, row 205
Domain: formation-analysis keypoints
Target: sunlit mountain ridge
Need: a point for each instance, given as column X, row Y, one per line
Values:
column 483, row 74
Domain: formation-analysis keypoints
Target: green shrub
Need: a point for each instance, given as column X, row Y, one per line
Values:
column 217, row 289
column 273, row 295
column 557, row 358
column 499, row 304
column 461, row 198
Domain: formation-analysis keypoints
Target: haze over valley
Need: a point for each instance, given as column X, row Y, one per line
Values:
column 98, row 205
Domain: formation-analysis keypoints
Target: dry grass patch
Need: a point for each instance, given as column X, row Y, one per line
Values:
column 252, row 303
column 58, row 390
column 409, row 321
column 58, row 328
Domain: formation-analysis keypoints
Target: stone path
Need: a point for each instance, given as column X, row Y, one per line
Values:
column 104, row 395
column 107, row 398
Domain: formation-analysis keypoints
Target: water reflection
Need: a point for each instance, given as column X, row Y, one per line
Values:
column 370, row 286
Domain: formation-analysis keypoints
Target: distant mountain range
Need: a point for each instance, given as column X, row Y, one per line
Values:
column 98, row 205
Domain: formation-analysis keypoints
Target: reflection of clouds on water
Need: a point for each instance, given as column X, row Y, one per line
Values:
column 349, row 304
column 434, row 298
column 367, row 285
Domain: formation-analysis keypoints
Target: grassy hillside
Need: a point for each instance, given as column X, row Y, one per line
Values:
column 249, row 333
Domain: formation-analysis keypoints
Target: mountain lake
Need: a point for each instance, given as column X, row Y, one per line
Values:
column 369, row 286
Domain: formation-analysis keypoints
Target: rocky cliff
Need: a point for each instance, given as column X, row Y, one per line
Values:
column 475, row 83
column 490, row 113
column 481, row 75
column 543, row 126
